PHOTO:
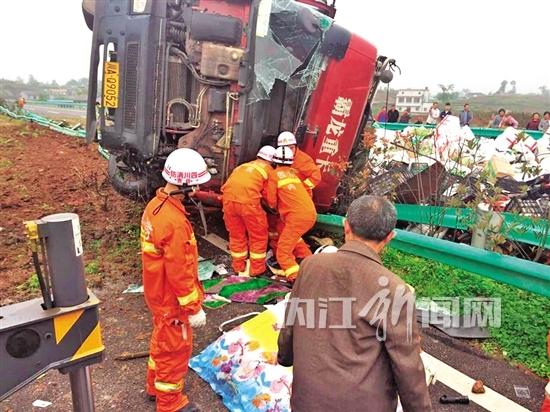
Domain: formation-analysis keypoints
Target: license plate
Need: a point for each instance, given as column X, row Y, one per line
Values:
column 110, row 85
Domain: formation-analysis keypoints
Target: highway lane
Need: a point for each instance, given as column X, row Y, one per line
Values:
column 55, row 112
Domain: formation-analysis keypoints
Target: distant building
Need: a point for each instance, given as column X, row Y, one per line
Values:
column 471, row 95
column 57, row 92
column 417, row 100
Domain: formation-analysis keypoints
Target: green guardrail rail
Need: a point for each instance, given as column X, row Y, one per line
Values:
column 477, row 131
column 75, row 131
column 533, row 231
column 523, row 274
column 68, row 104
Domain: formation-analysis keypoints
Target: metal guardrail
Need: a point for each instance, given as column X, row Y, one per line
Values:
column 75, row 131
column 523, row 274
column 68, row 104
column 477, row 131
column 532, row 231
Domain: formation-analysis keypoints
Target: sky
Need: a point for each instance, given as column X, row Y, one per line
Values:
column 471, row 44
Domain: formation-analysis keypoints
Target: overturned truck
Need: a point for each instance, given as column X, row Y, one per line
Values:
column 224, row 78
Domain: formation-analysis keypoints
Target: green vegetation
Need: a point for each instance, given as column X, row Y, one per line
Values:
column 128, row 242
column 31, row 284
column 525, row 320
column 92, row 268
column 5, row 163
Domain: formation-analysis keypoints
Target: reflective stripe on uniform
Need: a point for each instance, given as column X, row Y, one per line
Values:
column 168, row 387
column 309, row 183
column 187, row 299
column 291, row 270
column 238, row 255
column 257, row 255
column 151, row 363
column 259, row 169
column 287, row 181
column 148, row 247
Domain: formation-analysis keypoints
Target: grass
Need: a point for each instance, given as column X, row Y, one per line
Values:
column 92, row 268
column 521, row 338
column 128, row 243
column 5, row 163
column 31, row 284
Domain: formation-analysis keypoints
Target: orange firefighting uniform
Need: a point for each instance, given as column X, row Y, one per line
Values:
column 244, row 217
column 172, row 292
column 310, row 174
column 286, row 192
column 306, row 169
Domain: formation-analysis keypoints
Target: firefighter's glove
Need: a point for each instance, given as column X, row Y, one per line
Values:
column 198, row 320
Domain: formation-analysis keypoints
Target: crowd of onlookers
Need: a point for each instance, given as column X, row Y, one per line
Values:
column 499, row 120
column 504, row 118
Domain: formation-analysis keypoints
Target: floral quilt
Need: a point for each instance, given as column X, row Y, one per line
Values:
column 241, row 366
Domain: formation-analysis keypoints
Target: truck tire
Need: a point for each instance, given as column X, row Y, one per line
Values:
column 128, row 184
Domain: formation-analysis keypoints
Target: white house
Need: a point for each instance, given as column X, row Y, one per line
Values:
column 417, row 100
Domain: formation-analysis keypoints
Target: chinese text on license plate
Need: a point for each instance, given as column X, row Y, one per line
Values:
column 110, row 85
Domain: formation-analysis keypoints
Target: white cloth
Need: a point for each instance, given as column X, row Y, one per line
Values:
column 198, row 320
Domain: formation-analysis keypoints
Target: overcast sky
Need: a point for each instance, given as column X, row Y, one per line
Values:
column 474, row 44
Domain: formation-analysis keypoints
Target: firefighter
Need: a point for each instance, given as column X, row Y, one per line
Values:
column 306, row 169
column 170, row 280
column 308, row 172
column 287, row 193
column 244, row 217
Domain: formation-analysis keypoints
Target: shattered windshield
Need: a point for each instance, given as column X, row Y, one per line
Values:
column 288, row 36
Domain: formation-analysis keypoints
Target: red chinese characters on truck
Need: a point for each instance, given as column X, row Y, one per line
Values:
column 335, row 115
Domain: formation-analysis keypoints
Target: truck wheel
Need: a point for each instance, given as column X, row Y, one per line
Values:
column 88, row 8
column 128, row 184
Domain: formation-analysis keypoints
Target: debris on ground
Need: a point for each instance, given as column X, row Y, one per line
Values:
column 133, row 288
column 132, row 355
column 206, row 269
column 478, row 387
column 522, row 392
column 246, row 289
column 462, row 400
column 450, row 167
column 41, row 404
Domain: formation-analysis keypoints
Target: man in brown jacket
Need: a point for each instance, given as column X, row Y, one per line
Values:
column 350, row 326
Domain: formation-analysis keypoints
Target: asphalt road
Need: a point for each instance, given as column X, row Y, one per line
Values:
column 54, row 112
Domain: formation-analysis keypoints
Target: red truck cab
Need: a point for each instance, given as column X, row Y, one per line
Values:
column 225, row 78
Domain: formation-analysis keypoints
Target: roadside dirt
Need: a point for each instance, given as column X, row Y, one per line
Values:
column 42, row 172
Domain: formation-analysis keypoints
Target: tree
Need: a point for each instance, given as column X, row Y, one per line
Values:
column 513, row 84
column 502, row 88
column 32, row 81
column 447, row 92
column 544, row 91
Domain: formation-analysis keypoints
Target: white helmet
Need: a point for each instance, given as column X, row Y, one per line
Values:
column 185, row 167
column 286, row 139
column 326, row 249
column 283, row 156
column 266, row 153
